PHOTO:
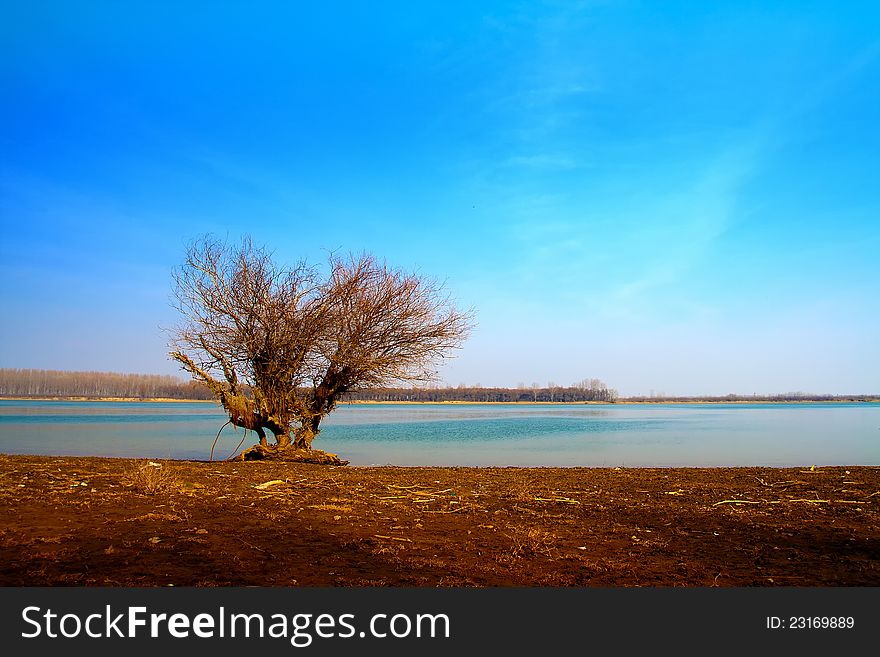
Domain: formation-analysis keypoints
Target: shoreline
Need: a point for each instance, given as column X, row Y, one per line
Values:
column 707, row 470
column 90, row 521
column 167, row 400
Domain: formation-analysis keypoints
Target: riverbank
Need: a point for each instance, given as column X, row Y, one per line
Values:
column 121, row 522
column 619, row 402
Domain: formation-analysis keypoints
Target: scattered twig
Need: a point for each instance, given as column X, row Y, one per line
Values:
column 783, row 484
column 735, row 502
column 566, row 500
column 251, row 545
column 458, row 509
column 393, row 538
column 267, row 484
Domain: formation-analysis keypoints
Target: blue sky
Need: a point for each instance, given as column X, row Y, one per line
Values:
column 670, row 196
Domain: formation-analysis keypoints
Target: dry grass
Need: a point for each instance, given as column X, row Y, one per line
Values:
column 530, row 542
column 150, row 479
column 342, row 508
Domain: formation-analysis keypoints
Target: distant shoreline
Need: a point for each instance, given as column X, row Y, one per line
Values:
column 163, row 400
column 622, row 402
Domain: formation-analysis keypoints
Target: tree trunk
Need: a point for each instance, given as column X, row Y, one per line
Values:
column 306, row 433
column 304, row 438
column 279, row 428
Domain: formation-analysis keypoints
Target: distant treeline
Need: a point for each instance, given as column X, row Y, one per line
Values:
column 587, row 390
column 784, row 397
column 55, row 383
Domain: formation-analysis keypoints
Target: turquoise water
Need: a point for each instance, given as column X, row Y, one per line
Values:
column 478, row 434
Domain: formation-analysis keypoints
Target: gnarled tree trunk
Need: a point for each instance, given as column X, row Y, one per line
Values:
column 283, row 440
column 306, row 433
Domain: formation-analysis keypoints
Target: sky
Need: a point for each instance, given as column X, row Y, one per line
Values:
column 674, row 197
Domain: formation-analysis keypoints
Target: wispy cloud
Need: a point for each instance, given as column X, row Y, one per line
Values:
column 543, row 161
column 537, row 100
column 629, row 256
column 686, row 223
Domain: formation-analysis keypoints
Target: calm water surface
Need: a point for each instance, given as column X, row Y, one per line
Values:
column 479, row 434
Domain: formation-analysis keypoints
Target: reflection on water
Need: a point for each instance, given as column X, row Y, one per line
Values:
column 475, row 434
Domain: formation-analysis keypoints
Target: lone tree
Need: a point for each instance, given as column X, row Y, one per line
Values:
column 279, row 347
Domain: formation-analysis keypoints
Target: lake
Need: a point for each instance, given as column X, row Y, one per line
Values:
column 627, row 435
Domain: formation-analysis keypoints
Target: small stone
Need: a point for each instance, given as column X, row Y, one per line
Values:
column 201, row 531
column 154, row 540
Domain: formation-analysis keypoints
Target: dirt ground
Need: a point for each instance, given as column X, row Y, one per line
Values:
column 120, row 522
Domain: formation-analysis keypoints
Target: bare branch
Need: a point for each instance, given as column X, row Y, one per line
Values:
column 298, row 342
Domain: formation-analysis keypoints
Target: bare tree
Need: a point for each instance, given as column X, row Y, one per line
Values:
column 279, row 346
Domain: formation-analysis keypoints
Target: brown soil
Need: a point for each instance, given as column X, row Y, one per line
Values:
column 91, row 521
